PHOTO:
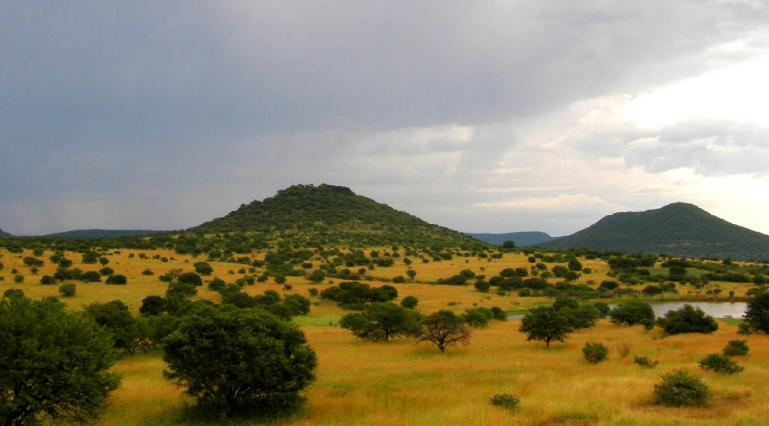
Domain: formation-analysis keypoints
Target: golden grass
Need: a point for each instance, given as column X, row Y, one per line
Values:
column 403, row 383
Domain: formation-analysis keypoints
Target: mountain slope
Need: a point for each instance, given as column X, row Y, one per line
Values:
column 678, row 229
column 519, row 238
column 334, row 213
column 5, row 234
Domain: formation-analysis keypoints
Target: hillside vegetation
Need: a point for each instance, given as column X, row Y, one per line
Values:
column 328, row 212
column 4, row 234
column 101, row 233
column 678, row 229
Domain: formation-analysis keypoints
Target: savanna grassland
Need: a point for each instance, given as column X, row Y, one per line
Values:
column 401, row 382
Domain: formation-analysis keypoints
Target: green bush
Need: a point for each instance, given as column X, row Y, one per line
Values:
column 505, row 400
column 645, row 362
column 720, row 364
column 679, row 388
column 594, row 352
column 18, row 278
column 67, row 290
column 736, row 348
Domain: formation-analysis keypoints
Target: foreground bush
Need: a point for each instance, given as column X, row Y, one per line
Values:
column 594, row 352
column 679, row 388
column 720, row 364
column 53, row 365
column 504, row 400
column 235, row 361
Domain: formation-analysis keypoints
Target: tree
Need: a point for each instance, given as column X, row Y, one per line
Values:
column 152, row 306
column 104, row 261
column 53, row 365
column 381, row 321
column 190, row 278
column 545, row 324
column 203, row 268
column 411, row 273
column 90, row 257
column 574, row 265
column 234, row 361
column 409, row 302
column 757, row 313
column 317, row 276
column 114, row 317
column 67, row 290
column 118, row 279
column 443, row 329
column 582, row 317
column 632, row 313
column 689, row 319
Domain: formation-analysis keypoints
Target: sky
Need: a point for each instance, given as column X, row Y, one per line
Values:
column 485, row 116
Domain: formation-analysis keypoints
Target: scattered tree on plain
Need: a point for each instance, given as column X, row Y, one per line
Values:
column 545, row 324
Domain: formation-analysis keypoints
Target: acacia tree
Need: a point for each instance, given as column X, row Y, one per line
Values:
column 239, row 361
column 757, row 313
column 53, row 365
column 545, row 324
column 443, row 329
column 381, row 321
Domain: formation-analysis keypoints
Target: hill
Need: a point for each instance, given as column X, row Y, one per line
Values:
column 334, row 214
column 101, row 233
column 678, row 229
column 519, row 238
column 4, row 234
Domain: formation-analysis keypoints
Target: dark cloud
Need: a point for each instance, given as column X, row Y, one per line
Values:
column 195, row 107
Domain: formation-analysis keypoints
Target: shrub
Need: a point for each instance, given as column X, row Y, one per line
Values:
column 632, row 313
column 409, row 302
column 679, row 388
column 399, row 279
column 720, row 364
column 505, row 400
column 148, row 271
column 117, row 279
column 258, row 364
column 13, row 292
column 314, row 292
column 736, row 348
column 90, row 277
column 47, row 280
column 689, row 319
column 644, row 361
column 55, row 364
column 203, row 268
column 67, row 290
column 190, row 278
column 18, row 278
column 106, row 271
column 594, row 352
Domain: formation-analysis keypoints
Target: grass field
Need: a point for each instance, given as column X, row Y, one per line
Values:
column 403, row 383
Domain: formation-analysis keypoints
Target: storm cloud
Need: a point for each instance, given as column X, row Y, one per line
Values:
column 165, row 115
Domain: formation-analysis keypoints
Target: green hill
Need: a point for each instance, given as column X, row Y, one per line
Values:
column 101, row 233
column 678, row 229
column 4, row 234
column 519, row 238
column 332, row 214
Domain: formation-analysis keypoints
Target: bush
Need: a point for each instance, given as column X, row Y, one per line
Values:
column 55, row 364
column 679, row 388
column 632, row 313
column 314, row 292
column 594, row 352
column 645, row 361
column 47, row 280
column 736, row 348
column 67, row 290
column 757, row 313
column 409, row 302
column 258, row 364
column 190, row 278
column 505, row 400
column 117, row 280
column 720, row 364
column 148, row 271
column 106, row 271
column 18, row 278
column 203, row 268
column 689, row 319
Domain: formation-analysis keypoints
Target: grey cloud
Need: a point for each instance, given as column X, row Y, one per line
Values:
column 148, row 103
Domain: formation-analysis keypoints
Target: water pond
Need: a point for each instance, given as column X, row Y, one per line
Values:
column 714, row 309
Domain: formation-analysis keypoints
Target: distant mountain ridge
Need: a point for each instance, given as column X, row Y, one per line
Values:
column 519, row 238
column 4, row 234
column 678, row 229
column 332, row 212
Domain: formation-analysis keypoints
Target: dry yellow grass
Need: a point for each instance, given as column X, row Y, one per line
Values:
column 403, row 383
